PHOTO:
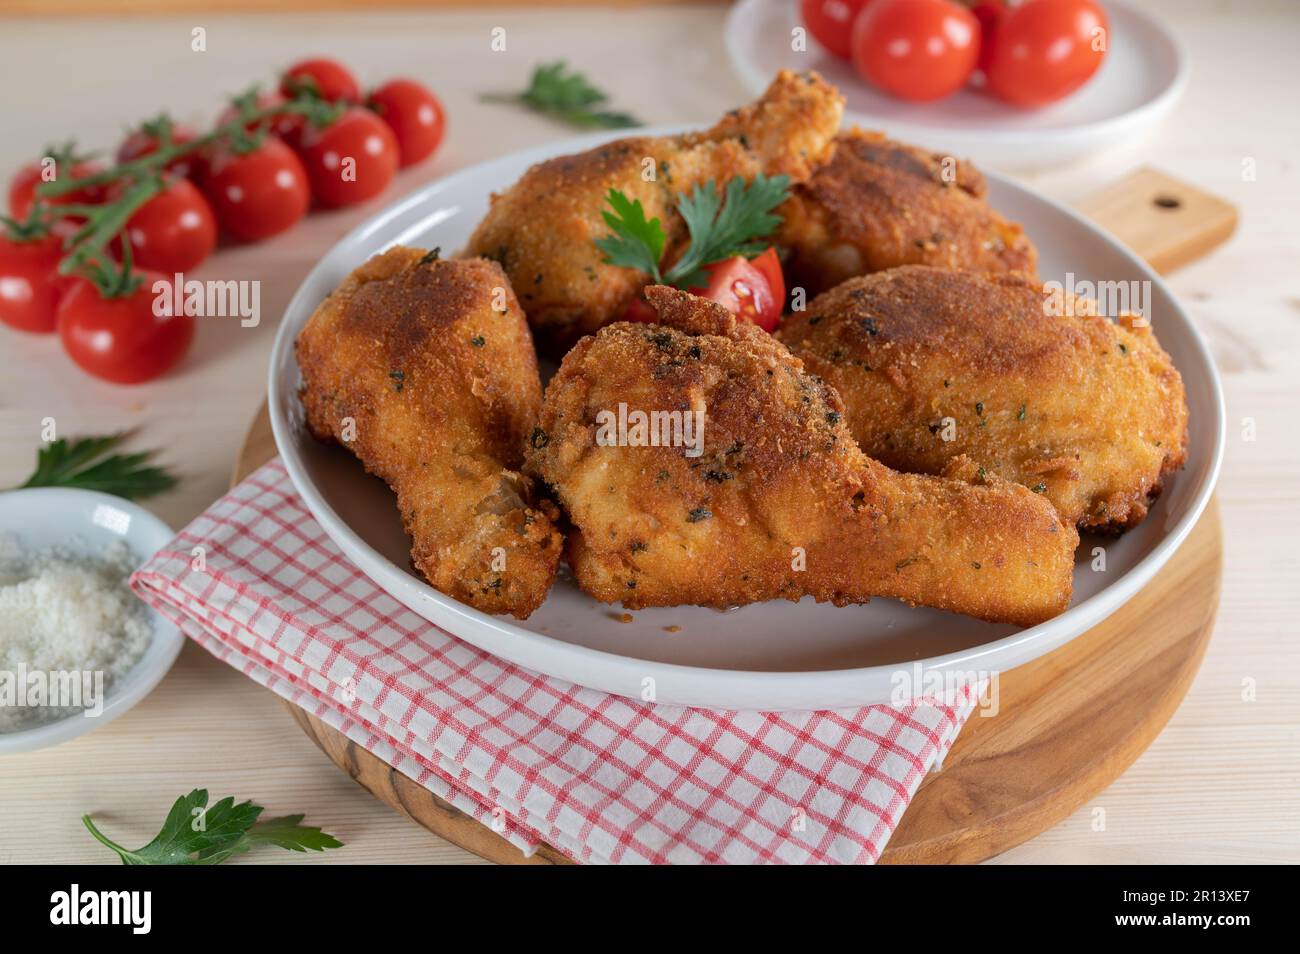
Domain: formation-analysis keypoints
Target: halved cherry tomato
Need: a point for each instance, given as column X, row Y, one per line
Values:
column 123, row 340
column 640, row 310
column 741, row 287
column 22, row 188
column 30, row 285
column 147, row 137
column 916, row 49
column 770, row 266
column 258, row 194
column 414, row 114
column 351, row 160
column 831, row 23
column 1043, row 50
column 174, row 231
column 330, row 79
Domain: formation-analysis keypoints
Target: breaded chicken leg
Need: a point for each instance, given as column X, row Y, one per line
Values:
column 878, row 203
column 542, row 230
column 779, row 501
column 935, row 364
column 425, row 370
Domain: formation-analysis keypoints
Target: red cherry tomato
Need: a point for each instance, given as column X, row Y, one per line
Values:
column 260, row 193
column 414, row 114
column 330, row 79
column 989, row 13
column 831, row 23
column 30, row 285
column 917, row 50
column 770, row 266
column 351, row 160
column 146, row 139
column 174, row 231
column 641, row 311
column 740, row 286
column 1044, row 50
column 287, row 126
column 123, row 340
column 22, row 188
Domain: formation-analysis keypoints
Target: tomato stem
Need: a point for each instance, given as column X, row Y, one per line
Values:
column 145, row 175
column 34, row 228
column 316, row 110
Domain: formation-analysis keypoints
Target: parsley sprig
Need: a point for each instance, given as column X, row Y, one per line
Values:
column 194, row 834
column 83, row 464
column 567, row 96
column 720, row 227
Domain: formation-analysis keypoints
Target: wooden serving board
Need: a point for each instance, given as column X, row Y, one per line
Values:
column 1010, row 776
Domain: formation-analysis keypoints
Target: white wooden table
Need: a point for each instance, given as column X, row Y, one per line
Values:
column 1222, row 784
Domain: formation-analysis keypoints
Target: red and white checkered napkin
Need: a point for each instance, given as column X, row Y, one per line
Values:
column 600, row 777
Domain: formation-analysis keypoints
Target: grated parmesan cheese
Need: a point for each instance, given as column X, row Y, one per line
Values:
column 64, row 613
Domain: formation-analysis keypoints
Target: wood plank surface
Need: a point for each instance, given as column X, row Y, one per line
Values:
column 140, row 8
column 1220, row 784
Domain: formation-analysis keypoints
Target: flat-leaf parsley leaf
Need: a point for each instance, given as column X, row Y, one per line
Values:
column 567, row 96
column 83, row 464
column 196, row 834
column 720, row 227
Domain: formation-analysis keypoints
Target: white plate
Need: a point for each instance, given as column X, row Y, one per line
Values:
column 82, row 521
column 1139, row 81
column 774, row 656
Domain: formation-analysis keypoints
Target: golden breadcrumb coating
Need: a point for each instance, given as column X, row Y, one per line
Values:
column 935, row 364
column 426, row 371
column 781, row 502
column 878, row 203
column 542, row 229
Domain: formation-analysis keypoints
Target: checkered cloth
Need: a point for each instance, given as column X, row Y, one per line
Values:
column 599, row 777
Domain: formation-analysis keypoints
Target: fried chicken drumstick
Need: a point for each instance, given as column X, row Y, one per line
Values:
column 425, row 370
column 780, row 502
column 935, row 364
column 878, row 203
column 543, row 228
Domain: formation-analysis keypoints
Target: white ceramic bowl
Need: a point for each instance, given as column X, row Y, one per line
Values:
column 770, row 656
column 1139, row 82
column 83, row 521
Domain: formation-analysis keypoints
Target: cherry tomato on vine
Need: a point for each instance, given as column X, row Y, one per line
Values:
column 147, row 137
column 351, row 160
column 258, row 194
column 414, row 114
column 741, row 286
column 1043, row 50
column 831, row 23
column 123, row 339
column 330, row 79
column 917, row 50
column 22, row 188
column 286, row 126
column 30, row 285
column 174, row 231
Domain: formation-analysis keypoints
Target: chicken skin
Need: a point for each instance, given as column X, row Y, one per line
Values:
column 878, row 203
column 425, row 370
column 542, row 230
column 934, row 365
column 773, row 498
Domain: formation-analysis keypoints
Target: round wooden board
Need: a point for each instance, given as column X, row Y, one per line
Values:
column 1009, row 776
